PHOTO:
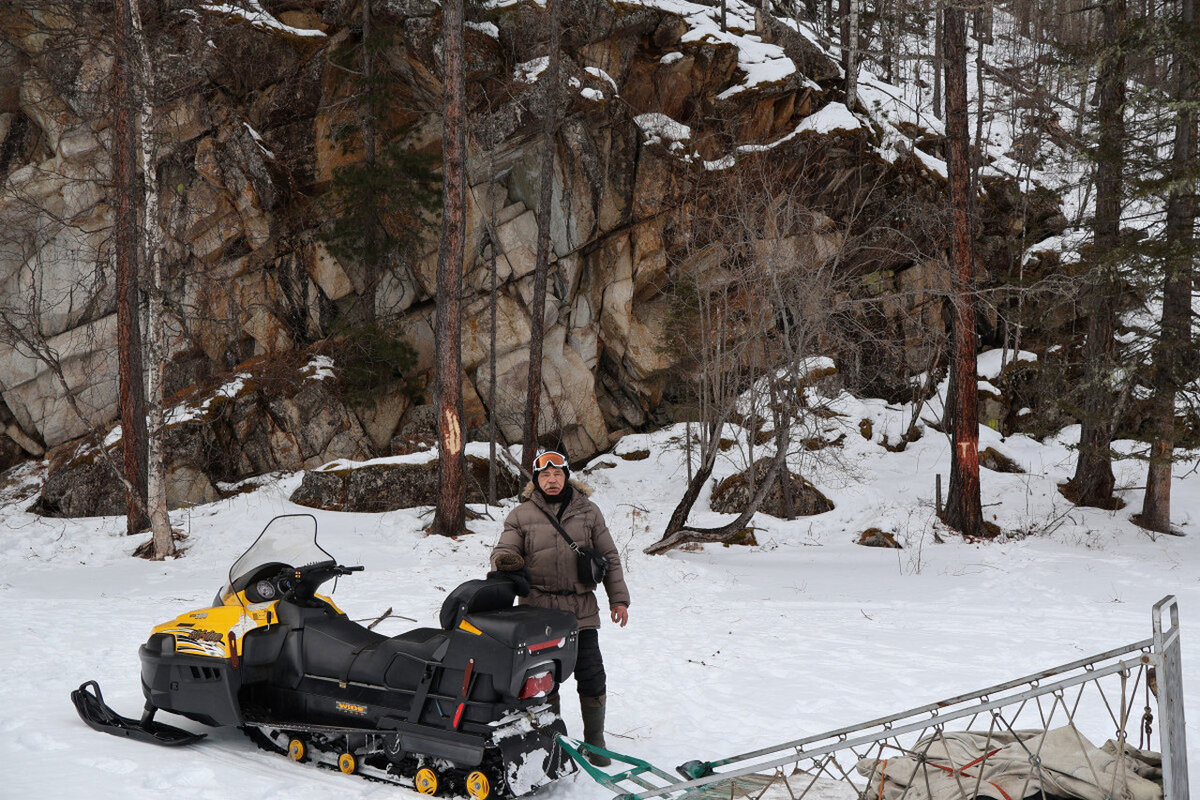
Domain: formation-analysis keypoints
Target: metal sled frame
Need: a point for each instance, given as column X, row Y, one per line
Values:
column 1087, row 695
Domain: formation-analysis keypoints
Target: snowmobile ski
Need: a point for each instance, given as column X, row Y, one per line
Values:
column 89, row 702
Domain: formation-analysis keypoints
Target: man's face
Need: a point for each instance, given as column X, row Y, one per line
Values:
column 552, row 480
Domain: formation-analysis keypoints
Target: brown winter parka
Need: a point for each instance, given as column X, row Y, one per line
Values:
column 554, row 576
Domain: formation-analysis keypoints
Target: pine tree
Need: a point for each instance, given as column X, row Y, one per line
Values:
column 1093, row 482
column 963, row 510
column 380, row 197
column 1175, row 362
column 126, row 187
column 450, row 514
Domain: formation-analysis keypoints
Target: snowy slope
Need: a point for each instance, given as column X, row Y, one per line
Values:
column 728, row 649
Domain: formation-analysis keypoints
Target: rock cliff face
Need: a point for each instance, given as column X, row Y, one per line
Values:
column 653, row 103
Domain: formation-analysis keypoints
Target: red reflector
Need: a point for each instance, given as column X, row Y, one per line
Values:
column 533, row 648
column 538, row 685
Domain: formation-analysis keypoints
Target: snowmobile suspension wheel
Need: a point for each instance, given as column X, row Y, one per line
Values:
column 478, row 787
column 426, row 781
column 296, row 750
column 347, row 763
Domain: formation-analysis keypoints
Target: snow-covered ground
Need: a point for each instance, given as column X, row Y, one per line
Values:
column 728, row 649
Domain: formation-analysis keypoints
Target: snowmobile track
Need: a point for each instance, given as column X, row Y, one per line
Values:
column 276, row 738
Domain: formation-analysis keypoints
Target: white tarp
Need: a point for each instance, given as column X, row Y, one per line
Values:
column 1013, row 765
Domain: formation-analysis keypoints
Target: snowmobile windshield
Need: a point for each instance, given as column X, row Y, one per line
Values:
column 289, row 540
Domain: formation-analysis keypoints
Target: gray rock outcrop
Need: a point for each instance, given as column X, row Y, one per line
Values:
column 246, row 129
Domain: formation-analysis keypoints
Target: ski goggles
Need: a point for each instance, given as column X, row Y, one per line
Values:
column 549, row 459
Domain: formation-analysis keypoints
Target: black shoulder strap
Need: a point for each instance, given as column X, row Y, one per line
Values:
column 558, row 527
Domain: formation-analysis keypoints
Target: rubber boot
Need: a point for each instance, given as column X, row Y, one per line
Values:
column 592, row 709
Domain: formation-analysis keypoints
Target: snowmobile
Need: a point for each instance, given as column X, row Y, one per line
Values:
column 459, row 709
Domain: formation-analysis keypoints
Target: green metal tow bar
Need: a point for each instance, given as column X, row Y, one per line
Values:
column 640, row 773
column 637, row 773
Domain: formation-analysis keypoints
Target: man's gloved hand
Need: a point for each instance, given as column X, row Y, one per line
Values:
column 519, row 578
column 509, row 562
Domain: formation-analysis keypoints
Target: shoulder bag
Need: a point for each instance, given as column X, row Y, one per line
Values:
column 591, row 563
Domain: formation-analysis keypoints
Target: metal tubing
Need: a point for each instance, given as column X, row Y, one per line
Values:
column 936, row 718
column 1000, row 687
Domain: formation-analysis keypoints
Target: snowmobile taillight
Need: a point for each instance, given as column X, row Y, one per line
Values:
column 538, row 685
column 535, row 648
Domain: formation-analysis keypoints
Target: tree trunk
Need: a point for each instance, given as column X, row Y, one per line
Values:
column 963, row 509
column 696, row 481
column 850, row 53
column 1174, row 358
column 129, row 340
column 719, row 534
column 1093, row 482
column 493, row 302
column 450, row 516
column 162, row 545
column 981, row 36
column 939, row 18
column 537, row 323
column 375, row 269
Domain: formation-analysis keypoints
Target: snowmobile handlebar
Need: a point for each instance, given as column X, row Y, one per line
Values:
column 300, row 583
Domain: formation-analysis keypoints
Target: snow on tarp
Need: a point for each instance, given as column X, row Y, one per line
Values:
column 252, row 12
column 1000, row 764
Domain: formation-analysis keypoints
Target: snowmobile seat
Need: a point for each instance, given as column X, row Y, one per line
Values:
column 475, row 597
column 397, row 662
column 333, row 643
column 339, row 648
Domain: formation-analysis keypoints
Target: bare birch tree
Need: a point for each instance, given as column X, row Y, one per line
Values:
column 163, row 544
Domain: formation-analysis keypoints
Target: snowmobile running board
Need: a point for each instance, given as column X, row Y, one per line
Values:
column 1152, row 665
column 98, row 716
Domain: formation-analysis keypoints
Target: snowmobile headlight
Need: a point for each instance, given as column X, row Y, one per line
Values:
column 163, row 643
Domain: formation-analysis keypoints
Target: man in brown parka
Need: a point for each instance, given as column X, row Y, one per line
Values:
column 531, row 540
